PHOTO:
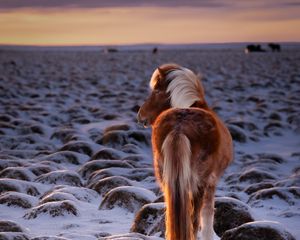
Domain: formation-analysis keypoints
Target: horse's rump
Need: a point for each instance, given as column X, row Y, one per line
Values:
column 198, row 125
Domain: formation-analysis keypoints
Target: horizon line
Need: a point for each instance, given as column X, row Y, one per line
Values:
column 146, row 44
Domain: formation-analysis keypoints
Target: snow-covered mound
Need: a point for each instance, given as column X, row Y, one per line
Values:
column 75, row 165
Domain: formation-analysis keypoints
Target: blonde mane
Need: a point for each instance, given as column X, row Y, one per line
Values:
column 184, row 87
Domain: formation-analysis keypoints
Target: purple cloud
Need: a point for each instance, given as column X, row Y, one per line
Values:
column 13, row 4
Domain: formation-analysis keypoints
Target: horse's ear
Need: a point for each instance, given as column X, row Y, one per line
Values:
column 161, row 72
column 160, row 77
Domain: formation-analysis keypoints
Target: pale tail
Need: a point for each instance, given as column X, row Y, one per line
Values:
column 176, row 151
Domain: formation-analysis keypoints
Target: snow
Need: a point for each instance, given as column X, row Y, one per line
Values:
column 268, row 224
column 86, row 91
column 273, row 209
column 138, row 191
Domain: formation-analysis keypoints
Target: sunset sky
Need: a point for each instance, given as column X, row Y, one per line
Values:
column 92, row 22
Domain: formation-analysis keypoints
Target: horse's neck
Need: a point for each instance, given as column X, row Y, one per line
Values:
column 200, row 104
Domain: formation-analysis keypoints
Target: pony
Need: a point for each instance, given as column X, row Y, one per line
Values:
column 274, row 47
column 254, row 48
column 191, row 149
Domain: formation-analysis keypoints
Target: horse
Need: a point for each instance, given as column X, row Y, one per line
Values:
column 254, row 48
column 191, row 149
column 274, row 47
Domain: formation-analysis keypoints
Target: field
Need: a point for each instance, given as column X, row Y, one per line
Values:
column 74, row 163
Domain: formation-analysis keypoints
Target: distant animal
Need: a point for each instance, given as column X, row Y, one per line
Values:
column 110, row 50
column 254, row 48
column 154, row 50
column 274, row 47
column 191, row 147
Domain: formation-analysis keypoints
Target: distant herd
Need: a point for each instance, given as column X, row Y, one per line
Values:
column 274, row 47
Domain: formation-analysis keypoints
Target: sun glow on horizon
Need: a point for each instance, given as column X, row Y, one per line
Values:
column 134, row 25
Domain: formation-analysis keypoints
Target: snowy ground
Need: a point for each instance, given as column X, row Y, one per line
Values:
column 63, row 113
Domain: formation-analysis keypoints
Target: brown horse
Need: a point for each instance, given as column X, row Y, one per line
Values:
column 191, row 149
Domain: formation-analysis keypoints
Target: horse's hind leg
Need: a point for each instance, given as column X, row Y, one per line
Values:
column 207, row 214
column 197, row 204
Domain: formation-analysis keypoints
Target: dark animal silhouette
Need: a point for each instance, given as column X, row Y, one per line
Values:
column 254, row 48
column 274, row 47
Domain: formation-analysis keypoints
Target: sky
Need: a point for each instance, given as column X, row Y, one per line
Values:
column 114, row 22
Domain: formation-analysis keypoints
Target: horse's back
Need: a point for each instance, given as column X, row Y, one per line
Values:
column 193, row 122
column 207, row 134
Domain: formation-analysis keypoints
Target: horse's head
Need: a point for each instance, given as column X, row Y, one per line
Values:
column 171, row 86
